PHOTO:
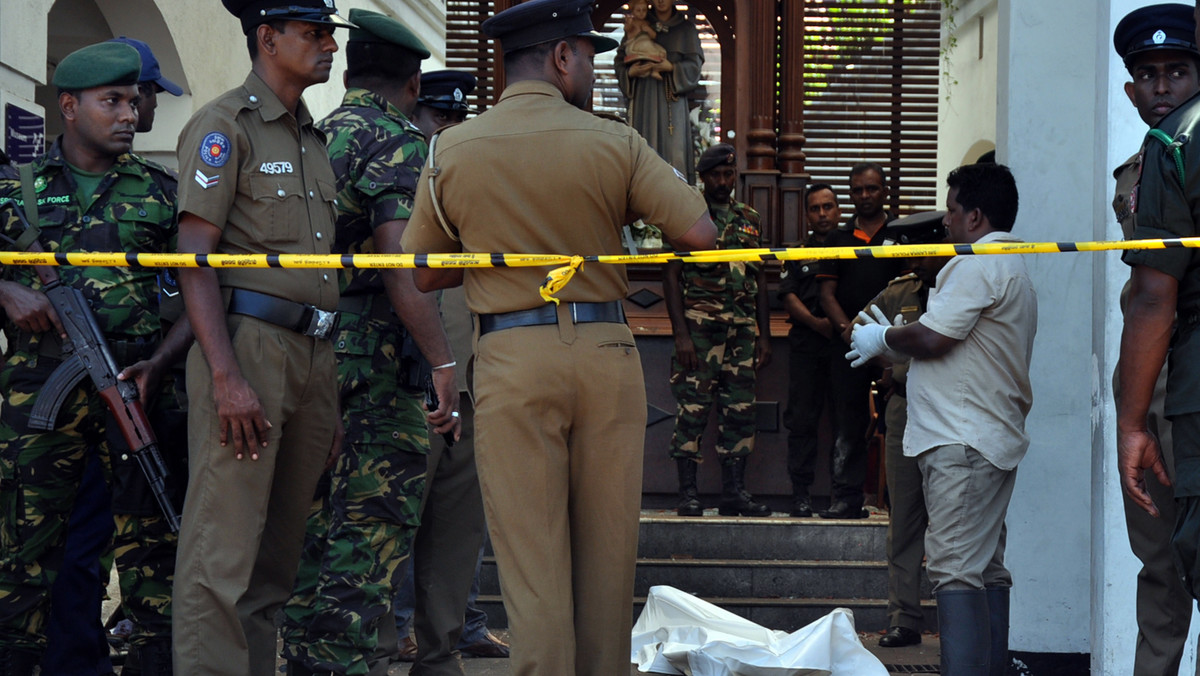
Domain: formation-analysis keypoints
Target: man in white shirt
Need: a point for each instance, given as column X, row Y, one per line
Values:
column 969, row 395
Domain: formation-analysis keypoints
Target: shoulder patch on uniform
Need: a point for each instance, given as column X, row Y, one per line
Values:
column 214, row 149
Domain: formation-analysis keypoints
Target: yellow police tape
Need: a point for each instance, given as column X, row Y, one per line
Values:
column 566, row 265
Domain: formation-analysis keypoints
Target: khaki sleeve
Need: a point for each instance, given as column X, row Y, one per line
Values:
column 210, row 152
column 424, row 233
column 660, row 195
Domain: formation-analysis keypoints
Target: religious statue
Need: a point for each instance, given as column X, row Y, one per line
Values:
column 657, row 90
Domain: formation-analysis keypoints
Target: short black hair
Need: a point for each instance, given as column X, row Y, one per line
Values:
column 864, row 167
column 536, row 53
column 379, row 65
column 278, row 25
column 990, row 188
column 818, row 187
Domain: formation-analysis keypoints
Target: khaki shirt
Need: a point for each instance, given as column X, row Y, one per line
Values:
column 263, row 177
column 535, row 174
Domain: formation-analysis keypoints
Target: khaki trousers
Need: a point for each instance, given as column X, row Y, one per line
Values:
column 967, row 498
column 243, row 520
column 907, row 520
column 560, row 415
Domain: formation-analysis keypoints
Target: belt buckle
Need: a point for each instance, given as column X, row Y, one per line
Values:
column 320, row 323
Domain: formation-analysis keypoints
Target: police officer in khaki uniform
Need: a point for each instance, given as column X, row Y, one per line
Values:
column 262, row 379
column 1158, row 46
column 559, row 393
column 907, row 296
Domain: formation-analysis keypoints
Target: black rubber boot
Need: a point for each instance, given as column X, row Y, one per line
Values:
column 963, row 620
column 689, row 498
column 735, row 501
column 153, row 658
column 997, row 600
column 15, row 662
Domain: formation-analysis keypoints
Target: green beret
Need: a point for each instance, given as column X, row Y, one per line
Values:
column 376, row 27
column 105, row 63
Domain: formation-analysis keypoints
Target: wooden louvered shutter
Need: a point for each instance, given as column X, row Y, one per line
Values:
column 871, row 70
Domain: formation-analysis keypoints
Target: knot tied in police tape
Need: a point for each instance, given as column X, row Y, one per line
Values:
column 558, row 278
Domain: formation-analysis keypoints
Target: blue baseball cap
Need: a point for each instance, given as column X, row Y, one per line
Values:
column 150, row 70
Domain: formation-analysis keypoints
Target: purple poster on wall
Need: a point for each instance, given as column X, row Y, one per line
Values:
column 24, row 134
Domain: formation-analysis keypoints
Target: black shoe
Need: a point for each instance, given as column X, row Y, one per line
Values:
column 898, row 637
column 690, row 507
column 801, row 507
column 742, row 504
column 841, row 509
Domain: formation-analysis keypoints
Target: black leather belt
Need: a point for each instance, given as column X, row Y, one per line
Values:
column 581, row 313
column 299, row 317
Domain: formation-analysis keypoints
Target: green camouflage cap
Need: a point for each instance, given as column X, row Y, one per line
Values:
column 376, row 27
column 105, row 63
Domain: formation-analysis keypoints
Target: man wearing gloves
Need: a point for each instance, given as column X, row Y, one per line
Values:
column 968, row 397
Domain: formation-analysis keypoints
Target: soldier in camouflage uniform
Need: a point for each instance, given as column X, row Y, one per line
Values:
column 366, row 514
column 721, row 322
column 92, row 195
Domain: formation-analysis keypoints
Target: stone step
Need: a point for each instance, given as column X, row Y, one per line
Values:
column 870, row 615
column 769, row 579
column 766, row 538
column 777, row 571
column 751, row 579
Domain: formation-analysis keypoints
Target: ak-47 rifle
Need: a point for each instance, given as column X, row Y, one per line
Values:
column 86, row 353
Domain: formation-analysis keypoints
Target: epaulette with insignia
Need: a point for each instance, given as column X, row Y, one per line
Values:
column 902, row 279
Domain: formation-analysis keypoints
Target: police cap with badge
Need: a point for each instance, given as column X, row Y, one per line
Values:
column 1156, row 27
column 537, row 21
column 253, row 13
column 98, row 65
column 922, row 228
column 446, row 90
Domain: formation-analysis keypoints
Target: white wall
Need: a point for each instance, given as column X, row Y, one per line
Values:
column 967, row 89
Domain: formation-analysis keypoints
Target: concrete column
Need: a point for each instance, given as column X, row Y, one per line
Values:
column 1047, row 132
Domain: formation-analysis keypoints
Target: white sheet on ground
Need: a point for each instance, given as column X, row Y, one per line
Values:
column 678, row 633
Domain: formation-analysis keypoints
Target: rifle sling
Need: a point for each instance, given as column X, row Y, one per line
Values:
column 29, row 196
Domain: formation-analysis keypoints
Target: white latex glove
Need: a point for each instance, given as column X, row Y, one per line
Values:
column 868, row 340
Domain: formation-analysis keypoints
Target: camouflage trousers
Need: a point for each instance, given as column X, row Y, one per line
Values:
column 40, row 473
column 363, row 521
column 725, row 377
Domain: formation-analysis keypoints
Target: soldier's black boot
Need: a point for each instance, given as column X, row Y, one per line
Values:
column 735, row 501
column 153, row 658
column 15, row 662
column 689, row 497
